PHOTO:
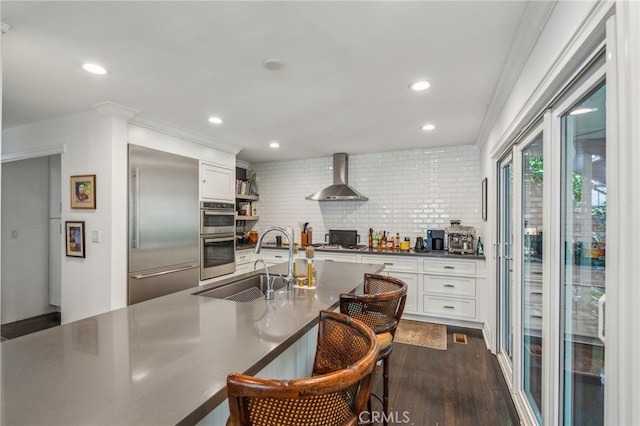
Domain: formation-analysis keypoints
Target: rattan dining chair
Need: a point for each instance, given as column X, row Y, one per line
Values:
column 335, row 394
column 380, row 307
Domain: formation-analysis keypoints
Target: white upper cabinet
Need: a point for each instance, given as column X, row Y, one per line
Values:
column 217, row 182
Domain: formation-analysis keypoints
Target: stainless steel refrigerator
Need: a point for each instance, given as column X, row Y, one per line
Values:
column 163, row 223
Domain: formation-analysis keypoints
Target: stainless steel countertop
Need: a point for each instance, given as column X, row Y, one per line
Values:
column 163, row 361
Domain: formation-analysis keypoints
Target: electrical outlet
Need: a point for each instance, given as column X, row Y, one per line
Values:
column 95, row 236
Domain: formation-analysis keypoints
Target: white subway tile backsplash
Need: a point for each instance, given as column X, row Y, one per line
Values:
column 409, row 192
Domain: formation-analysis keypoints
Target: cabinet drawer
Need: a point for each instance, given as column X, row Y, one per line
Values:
column 449, row 267
column 245, row 267
column 337, row 257
column 449, row 307
column 391, row 263
column 452, row 286
column 245, row 256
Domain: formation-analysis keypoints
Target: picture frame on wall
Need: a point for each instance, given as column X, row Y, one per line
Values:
column 83, row 192
column 74, row 232
column 484, row 199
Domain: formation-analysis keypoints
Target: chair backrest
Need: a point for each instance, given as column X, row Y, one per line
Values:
column 382, row 304
column 336, row 395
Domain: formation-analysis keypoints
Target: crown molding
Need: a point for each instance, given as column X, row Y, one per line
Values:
column 34, row 153
column 534, row 18
column 182, row 133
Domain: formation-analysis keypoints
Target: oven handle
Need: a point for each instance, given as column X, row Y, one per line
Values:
column 217, row 240
column 218, row 213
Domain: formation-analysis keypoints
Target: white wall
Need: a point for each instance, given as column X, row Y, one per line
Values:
column 409, row 192
column 25, row 239
column 86, row 288
column 97, row 144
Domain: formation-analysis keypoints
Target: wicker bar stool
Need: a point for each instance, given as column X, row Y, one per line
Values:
column 380, row 307
column 336, row 394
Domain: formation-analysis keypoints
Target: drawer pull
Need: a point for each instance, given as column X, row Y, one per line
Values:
column 388, row 263
column 536, row 316
column 278, row 257
column 537, row 293
column 448, row 307
column 242, row 257
column 448, row 285
column 449, row 267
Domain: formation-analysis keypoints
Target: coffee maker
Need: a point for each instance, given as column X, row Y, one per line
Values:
column 461, row 239
column 435, row 239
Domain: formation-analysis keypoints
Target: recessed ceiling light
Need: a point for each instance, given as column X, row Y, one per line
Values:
column 274, row 144
column 272, row 64
column 215, row 120
column 428, row 127
column 582, row 111
column 94, row 69
column 420, row 85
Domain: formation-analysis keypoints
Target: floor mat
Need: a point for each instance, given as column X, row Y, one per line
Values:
column 419, row 333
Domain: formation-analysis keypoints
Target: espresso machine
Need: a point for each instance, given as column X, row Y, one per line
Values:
column 461, row 239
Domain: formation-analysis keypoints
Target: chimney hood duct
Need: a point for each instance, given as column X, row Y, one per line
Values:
column 340, row 190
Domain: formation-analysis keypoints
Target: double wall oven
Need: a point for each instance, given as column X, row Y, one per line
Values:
column 217, row 239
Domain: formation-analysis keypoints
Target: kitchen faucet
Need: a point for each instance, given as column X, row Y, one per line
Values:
column 269, row 292
column 289, row 237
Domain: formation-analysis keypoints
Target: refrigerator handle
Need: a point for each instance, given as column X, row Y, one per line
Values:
column 136, row 207
column 170, row 271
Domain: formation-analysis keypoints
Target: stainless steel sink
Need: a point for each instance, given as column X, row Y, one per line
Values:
column 244, row 290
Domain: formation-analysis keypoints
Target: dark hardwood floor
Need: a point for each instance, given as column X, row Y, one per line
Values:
column 29, row 325
column 459, row 386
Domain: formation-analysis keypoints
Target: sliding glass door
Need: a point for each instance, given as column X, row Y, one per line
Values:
column 506, row 277
column 551, row 264
column 584, row 234
column 531, row 267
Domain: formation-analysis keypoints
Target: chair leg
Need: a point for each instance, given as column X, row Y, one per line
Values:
column 385, row 389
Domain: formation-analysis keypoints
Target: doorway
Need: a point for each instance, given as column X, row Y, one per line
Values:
column 31, row 242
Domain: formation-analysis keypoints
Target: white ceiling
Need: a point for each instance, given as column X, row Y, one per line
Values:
column 343, row 86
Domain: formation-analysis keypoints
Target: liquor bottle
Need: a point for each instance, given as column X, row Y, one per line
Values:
column 397, row 240
column 370, row 238
column 383, row 243
column 480, row 248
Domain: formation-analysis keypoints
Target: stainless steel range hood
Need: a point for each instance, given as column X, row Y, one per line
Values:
column 340, row 190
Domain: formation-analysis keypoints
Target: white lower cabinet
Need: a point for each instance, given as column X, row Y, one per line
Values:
column 450, row 307
column 412, row 281
column 404, row 268
column 449, row 288
column 244, row 261
column 272, row 257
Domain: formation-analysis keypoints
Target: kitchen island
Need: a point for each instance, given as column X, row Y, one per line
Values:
column 163, row 361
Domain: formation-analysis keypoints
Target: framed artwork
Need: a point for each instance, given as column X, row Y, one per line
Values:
column 484, row 199
column 75, row 239
column 83, row 192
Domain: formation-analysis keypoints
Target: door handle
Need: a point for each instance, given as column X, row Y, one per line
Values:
column 136, row 207
column 601, row 307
